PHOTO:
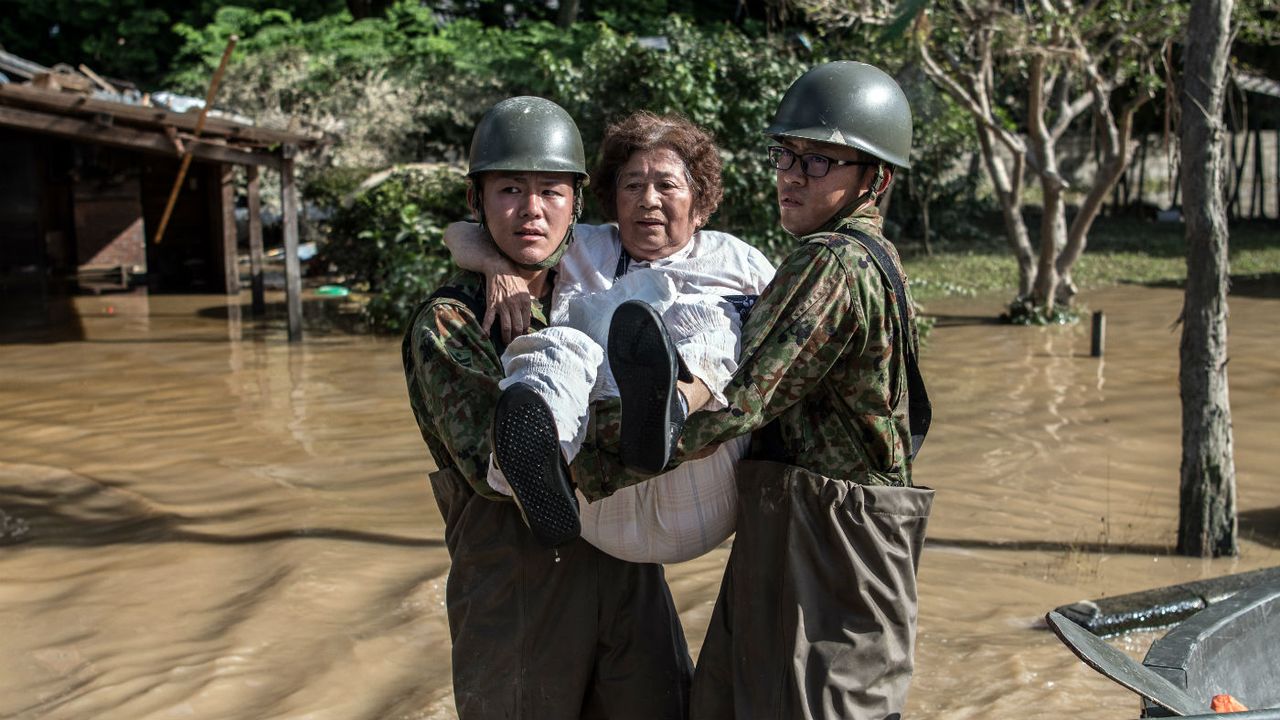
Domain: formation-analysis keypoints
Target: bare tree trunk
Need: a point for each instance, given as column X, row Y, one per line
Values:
column 914, row 191
column 361, row 9
column 568, row 14
column 1053, row 232
column 1207, row 517
column 1009, row 192
column 1053, row 223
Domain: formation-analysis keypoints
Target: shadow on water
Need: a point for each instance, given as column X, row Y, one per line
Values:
column 942, row 321
column 1101, row 548
column 39, row 318
column 94, row 514
column 1264, row 286
column 320, row 316
column 1261, row 526
column 56, row 318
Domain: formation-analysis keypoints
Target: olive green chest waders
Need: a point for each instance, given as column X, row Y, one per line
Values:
column 816, row 617
column 589, row 636
column 817, row 611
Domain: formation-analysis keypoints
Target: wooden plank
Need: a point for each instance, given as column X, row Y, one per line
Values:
column 84, row 105
column 97, row 78
column 127, row 137
column 292, row 267
column 225, row 212
column 256, row 280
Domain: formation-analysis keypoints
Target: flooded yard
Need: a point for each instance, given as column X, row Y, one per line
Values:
column 200, row 520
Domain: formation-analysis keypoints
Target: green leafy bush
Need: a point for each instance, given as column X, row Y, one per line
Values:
column 718, row 77
column 406, row 88
column 387, row 241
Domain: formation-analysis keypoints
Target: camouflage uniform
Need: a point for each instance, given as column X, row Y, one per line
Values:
column 827, row 319
column 536, row 634
column 822, row 572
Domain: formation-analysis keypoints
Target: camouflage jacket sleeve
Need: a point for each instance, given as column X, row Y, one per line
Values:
column 452, row 371
column 798, row 330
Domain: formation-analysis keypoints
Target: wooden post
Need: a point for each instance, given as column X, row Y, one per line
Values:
column 255, row 243
column 235, row 321
column 226, row 196
column 292, row 267
column 1258, row 197
column 1097, row 344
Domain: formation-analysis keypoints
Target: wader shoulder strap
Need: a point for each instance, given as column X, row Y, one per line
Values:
column 476, row 305
column 919, row 409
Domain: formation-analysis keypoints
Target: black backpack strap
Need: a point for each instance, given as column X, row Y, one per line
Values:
column 476, row 305
column 919, row 409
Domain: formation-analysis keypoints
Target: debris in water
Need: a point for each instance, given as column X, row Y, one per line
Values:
column 12, row 527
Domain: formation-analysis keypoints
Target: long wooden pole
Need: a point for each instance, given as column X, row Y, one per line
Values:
column 186, row 156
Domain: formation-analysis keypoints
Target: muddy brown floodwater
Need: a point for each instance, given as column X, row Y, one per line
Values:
column 200, row 520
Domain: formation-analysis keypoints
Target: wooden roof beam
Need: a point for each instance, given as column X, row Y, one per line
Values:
column 152, row 141
column 34, row 97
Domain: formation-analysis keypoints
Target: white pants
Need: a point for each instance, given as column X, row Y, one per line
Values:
column 671, row 517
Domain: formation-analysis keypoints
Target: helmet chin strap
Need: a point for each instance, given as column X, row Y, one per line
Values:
column 874, row 192
column 554, row 258
column 870, row 196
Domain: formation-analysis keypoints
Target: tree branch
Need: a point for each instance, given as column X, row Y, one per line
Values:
column 1069, row 112
column 977, row 104
column 1108, row 175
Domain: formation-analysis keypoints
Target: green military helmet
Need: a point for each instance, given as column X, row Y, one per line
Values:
column 530, row 134
column 848, row 103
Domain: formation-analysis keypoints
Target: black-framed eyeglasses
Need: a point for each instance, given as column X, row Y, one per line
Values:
column 811, row 164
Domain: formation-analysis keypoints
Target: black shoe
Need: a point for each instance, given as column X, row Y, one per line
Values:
column 646, row 366
column 527, row 449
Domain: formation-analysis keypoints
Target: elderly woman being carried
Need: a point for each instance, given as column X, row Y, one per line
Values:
column 659, row 180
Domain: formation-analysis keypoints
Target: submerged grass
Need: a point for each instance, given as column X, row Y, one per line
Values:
column 1119, row 251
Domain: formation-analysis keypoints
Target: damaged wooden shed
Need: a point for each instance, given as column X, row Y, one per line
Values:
column 86, row 179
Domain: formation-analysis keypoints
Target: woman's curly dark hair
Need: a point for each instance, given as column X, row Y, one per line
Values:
column 642, row 130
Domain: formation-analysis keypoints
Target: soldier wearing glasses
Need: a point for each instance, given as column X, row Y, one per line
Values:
column 817, row 611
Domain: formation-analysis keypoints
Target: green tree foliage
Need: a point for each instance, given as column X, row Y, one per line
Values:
column 721, row 79
column 129, row 39
column 405, row 87
column 387, row 239
column 939, row 191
